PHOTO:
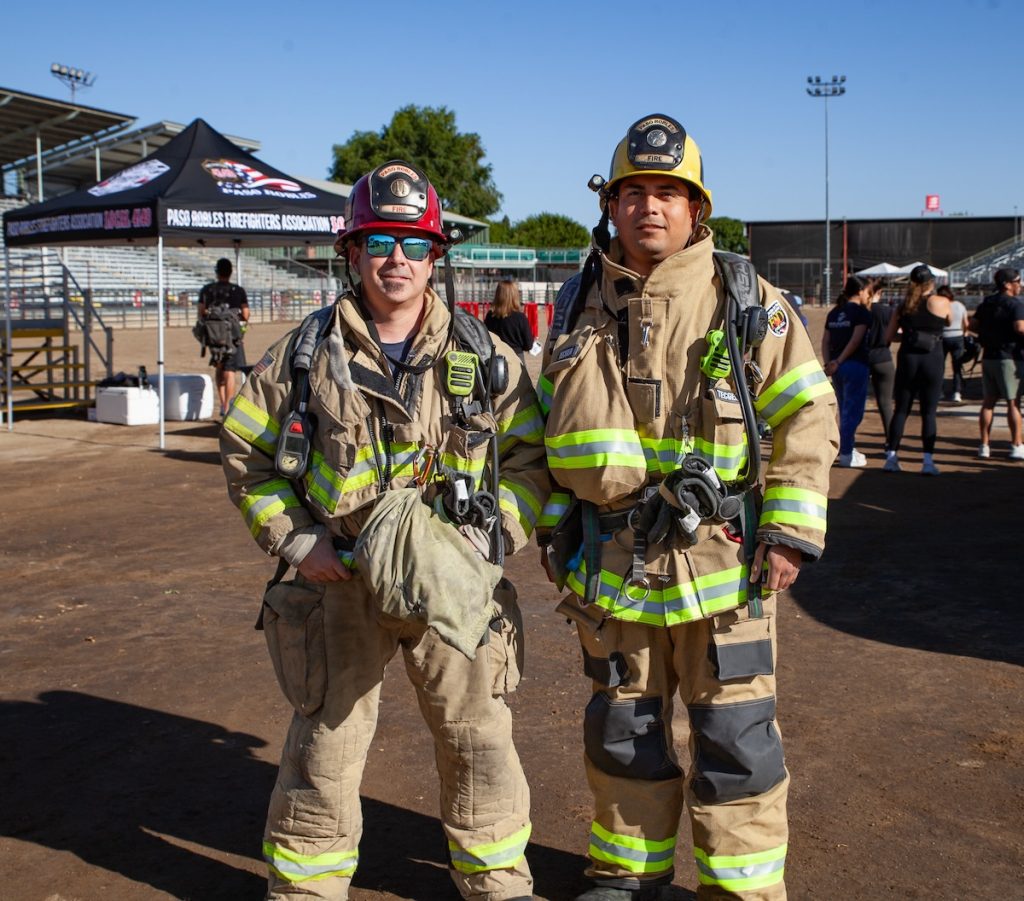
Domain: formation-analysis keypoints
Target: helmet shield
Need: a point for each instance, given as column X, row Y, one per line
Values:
column 398, row 192
column 655, row 143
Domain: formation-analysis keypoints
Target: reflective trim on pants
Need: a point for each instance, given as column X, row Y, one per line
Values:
column 638, row 855
column 742, row 872
column 301, row 867
column 493, row 856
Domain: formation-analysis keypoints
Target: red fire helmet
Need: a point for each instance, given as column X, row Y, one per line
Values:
column 394, row 195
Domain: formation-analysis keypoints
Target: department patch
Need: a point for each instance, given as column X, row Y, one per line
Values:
column 264, row 362
column 778, row 321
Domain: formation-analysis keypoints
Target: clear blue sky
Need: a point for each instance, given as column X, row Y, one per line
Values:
column 933, row 102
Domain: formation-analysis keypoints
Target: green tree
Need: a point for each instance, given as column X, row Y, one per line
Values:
column 501, row 231
column 730, row 234
column 427, row 137
column 549, row 230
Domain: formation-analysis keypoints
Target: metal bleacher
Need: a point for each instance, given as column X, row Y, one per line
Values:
column 976, row 271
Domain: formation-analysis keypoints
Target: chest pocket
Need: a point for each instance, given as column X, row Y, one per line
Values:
column 721, row 438
column 333, row 464
column 592, row 445
column 466, row 449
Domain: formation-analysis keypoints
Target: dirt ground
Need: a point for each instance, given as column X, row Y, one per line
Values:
column 140, row 721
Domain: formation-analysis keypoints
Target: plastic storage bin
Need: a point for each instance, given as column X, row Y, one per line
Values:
column 127, row 406
column 187, row 395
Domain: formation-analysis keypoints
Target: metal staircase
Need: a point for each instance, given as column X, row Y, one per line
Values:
column 51, row 353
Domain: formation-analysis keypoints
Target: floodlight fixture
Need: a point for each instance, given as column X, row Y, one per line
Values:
column 72, row 77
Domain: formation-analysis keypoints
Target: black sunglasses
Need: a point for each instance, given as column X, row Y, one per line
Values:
column 415, row 249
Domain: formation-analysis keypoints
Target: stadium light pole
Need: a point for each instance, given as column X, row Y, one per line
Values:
column 826, row 89
column 72, row 77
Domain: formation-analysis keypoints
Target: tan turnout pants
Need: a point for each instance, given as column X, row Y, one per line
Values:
column 327, row 644
column 735, row 793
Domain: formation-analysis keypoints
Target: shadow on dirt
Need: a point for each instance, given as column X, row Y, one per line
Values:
column 158, row 798
column 936, row 562
column 209, row 457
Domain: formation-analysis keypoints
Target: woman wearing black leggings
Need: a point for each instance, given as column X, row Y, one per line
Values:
column 882, row 368
column 919, row 364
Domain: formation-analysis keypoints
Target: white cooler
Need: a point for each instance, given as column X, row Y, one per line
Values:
column 187, row 395
column 127, row 406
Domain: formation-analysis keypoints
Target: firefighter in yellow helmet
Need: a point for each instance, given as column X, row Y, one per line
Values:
column 664, row 361
column 373, row 449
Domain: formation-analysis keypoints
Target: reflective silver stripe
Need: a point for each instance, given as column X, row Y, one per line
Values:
column 806, row 507
column 640, row 856
column 592, row 448
column 790, row 392
column 720, row 874
column 259, row 434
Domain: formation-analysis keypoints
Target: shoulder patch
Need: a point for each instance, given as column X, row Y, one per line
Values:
column 264, row 362
column 778, row 321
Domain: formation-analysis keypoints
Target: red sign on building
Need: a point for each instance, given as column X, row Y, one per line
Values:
column 931, row 203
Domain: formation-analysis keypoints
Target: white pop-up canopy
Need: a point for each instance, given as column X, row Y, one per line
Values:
column 906, row 270
column 883, row 270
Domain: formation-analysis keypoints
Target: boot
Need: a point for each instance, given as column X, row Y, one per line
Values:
column 609, row 893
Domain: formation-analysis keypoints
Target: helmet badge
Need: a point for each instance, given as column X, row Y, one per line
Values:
column 401, row 188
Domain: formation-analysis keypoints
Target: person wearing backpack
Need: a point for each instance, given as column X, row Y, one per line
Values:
column 665, row 355
column 223, row 314
column 387, row 418
column 999, row 324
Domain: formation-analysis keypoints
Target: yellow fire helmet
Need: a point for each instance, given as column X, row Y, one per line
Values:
column 656, row 144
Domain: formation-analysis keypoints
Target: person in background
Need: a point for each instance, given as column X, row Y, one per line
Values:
column 953, row 341
column 999, row 324
column 921, row 317
column 880, row 364
column 846, row 360
column 507, row 320
column 224, row 292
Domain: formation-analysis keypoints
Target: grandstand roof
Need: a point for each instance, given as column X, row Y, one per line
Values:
column 56, row 122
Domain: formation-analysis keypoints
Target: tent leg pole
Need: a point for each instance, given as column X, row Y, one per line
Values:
column 160, row 328
column 8, row 350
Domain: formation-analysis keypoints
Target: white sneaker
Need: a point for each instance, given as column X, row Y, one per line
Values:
column 892, row 464
column 929, row 469
column 957, row 399
column 1017, row 452
column 983, row 452
column 851, row 461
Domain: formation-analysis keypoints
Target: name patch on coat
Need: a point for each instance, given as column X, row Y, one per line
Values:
column 778, row 321
column 568, row 352
column 725, row 395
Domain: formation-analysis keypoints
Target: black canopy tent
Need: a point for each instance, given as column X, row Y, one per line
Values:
column 199, row 188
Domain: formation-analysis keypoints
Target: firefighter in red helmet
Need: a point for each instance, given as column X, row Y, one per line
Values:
column 392, row 454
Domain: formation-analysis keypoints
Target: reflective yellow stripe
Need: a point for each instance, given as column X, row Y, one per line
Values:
column 742, row 872
column 265, row 501
column 519, row 502
column 682, row 603
column 527, row 426
column 554, row 509
column 791, row 506
column 593, row 448
column 498, row 855
column 637, row 855
column 302, row 867
column 545, row 392
column 791, row 391
column 252, row 424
